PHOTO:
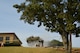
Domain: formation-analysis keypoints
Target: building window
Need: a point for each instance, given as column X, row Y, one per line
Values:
column 7, row 38
column 1, row 38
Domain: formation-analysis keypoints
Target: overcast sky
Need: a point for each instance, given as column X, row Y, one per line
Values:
column 10, row 22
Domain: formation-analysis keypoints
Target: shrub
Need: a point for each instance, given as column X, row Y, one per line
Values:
column 55, row 43
column 15, row 43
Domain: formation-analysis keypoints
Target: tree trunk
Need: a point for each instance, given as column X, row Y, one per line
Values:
column 70, row 43
column 65, row 39
column 65, row 43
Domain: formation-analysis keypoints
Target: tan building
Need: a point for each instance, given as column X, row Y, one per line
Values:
column 9, row 39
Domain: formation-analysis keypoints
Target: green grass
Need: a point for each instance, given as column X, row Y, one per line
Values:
column 28, row 50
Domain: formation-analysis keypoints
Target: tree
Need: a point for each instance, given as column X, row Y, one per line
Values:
column 33, row 39
column 54, row 43
column 60, row 16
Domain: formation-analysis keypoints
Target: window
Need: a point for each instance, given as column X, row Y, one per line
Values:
column 1, row 38
column 7, row 38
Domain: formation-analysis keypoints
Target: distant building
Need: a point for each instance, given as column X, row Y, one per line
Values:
column 9, row 39
column 38, row 44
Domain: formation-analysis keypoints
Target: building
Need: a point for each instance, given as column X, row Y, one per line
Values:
column 9, row 39
column 39, row 44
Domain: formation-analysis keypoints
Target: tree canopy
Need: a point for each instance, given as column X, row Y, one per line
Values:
column 62, row 16
column 55, row 15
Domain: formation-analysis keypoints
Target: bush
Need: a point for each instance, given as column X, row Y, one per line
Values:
column 55, row 43
column 15, row 43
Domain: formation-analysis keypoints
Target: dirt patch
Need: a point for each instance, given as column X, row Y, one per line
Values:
column 73, row 51
column 76, row 51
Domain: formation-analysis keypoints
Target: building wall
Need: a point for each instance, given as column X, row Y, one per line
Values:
column 33, row 44
column 8, row 35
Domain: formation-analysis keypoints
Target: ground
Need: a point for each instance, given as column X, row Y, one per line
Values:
column 31, row 50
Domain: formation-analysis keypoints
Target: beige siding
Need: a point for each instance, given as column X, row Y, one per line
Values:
column 8, row 35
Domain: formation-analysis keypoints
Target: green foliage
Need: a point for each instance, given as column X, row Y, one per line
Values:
column 55, row 43
column 55, row 15
column 15, row 43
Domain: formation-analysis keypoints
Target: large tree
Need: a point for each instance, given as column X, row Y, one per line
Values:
column 62, row 16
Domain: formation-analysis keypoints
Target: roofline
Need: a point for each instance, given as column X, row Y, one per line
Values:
column 7, row 33
column 12, row 33
column 18, row 38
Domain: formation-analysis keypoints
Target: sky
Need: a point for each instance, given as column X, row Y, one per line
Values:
column 10, row 22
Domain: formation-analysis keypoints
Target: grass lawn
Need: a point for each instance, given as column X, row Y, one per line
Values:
column 28, row 50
